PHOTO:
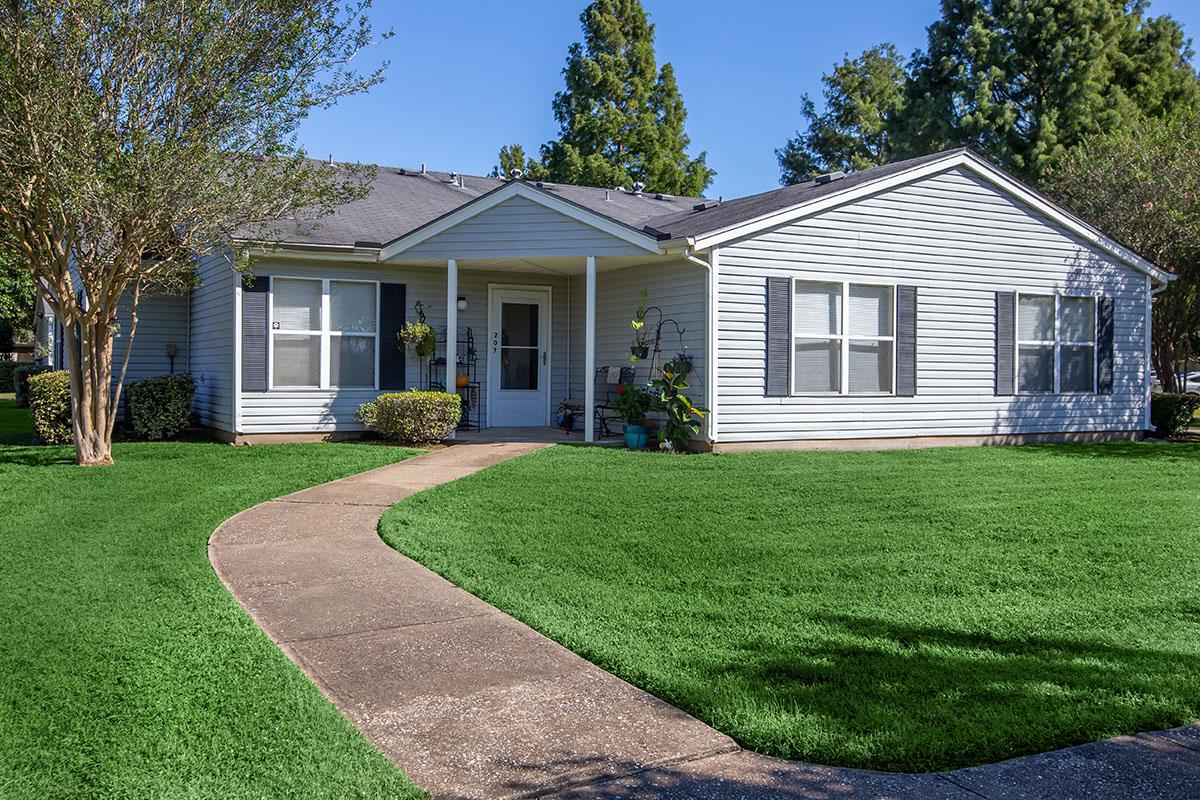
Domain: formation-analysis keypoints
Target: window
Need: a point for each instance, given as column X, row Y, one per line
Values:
column 323, row 333
column 843, row 338
column 1056, row 344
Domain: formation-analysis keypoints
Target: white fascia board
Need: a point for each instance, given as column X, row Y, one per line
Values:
column 518, row 189
column 977, row 165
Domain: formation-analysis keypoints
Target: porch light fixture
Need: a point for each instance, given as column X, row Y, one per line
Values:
column 462, row 304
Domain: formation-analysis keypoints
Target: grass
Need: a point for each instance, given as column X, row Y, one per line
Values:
column 126, row 668
column 918, row 610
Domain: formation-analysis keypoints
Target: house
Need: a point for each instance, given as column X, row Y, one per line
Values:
column 934, row 297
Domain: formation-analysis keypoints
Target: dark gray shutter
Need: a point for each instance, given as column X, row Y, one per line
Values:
column 391, row 320
column 779, row 335
column 1104, row 346
column 1006, row 332
column 255, row 296
column 906, row 341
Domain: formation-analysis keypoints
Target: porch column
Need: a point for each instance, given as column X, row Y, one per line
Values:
column 589, row 356
column 451, row 322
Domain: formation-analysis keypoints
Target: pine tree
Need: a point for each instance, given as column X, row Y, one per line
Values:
column 863, row 98
column 621, row 118
column 1024, row 81
column 1019, row 81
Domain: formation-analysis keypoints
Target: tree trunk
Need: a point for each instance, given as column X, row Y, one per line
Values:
column 89, row 354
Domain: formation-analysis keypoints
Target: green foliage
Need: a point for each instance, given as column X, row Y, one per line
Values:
column 512, row 157
column 863, row 97
column 21, row 376
column 7, row 370
column 50, row 402
column 1141, row 185
column 413, row 417
column 621, row 117
column 418, row 337
column 18, row 297
column 112, row 612
column 632, row 404
column 1018, row 82
column 1171, row 414
column 852, row 609
column 161, row 407
column 683, row 416
column 147, row 134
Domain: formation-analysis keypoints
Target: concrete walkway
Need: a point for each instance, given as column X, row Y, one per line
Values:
column 472, row 704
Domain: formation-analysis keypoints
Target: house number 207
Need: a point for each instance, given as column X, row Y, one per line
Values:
column 495, row 340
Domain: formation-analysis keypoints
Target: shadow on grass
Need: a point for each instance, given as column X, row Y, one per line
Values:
column 1156, row 449
column 15, row 452
column 930, row 698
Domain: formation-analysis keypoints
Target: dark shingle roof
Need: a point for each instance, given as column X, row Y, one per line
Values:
column 744, row 209
column 402, row 200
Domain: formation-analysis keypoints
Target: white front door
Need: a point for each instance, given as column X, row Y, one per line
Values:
column 519, row 357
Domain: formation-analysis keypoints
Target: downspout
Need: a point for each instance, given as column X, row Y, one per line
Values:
column 1150, row 347
column 710, row 339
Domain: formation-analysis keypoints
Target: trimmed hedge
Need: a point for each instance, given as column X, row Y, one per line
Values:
column 7, row 368
column 50, row 402
column 21, row 377
column 161, row 407
column 413, row 417
column 1171, row 414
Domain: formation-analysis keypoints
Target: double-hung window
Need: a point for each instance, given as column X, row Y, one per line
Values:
column 323, row 333
column 1056, row 344
column 843, row 338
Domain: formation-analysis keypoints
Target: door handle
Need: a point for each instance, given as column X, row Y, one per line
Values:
column 543, row 358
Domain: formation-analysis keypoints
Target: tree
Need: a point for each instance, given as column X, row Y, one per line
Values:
column 512, row 158
column 863, row 99
column 621, row 118
column 1142, row 186
column 1022, row 82
column 1018, row 81
column 137, row 136
column 18, row 297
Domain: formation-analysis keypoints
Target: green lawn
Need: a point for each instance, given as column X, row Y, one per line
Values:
column 126, row 668
column 915, row 610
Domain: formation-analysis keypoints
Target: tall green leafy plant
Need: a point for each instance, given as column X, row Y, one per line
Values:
column 683, row 417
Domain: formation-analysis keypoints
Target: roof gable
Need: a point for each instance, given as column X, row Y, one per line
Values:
column 515, row 220
column 736, row 219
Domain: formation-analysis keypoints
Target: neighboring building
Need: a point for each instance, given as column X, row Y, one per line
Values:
column 935, row 297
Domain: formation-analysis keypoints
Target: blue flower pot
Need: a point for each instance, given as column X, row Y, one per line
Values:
column 637, row 436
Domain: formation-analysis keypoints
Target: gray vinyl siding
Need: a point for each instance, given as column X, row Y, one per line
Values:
column 959, row 240
column 212, row 336
column 520, row 228
column 314, row 410
column 162, row 320
column 678, row 288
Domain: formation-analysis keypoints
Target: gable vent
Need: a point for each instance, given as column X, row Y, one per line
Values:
column 829, row 177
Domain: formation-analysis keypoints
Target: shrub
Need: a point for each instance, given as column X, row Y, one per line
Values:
column 7, row 368
column 21, row 377
column 50, row 401
column 161, row 407
column 1172, row 413
column 415, row 417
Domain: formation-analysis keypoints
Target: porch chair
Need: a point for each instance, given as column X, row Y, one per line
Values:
column 608, row 380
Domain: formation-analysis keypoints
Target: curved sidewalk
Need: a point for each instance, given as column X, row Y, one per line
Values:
column 471, row 703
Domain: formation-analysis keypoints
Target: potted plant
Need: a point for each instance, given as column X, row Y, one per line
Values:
column 632, row 405
column 680, row 364
column 639, row 349
column 418, row 336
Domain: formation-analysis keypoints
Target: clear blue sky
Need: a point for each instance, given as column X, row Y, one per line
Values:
column 469, row 76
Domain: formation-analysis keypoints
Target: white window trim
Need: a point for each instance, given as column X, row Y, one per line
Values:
column 326, row 335
column 1058, row 343
column 843, row 337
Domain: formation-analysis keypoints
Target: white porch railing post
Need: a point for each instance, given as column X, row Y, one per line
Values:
column 451, row 323
column 589, row 358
